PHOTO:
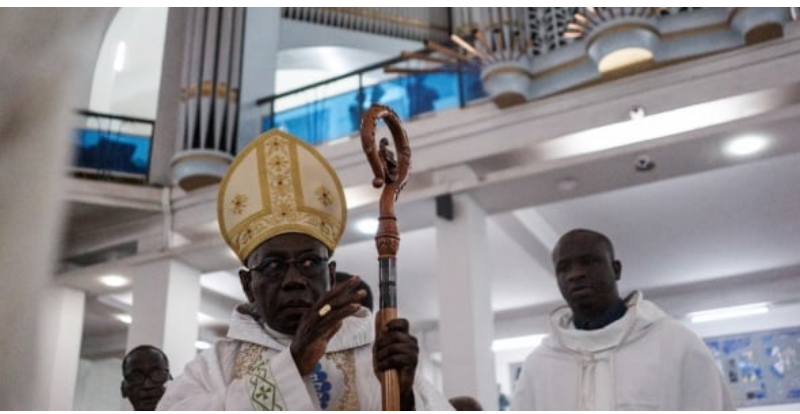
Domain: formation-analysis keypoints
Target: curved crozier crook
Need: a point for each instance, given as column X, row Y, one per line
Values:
column 388, row 171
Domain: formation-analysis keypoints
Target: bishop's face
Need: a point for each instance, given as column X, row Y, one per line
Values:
column 286, row 276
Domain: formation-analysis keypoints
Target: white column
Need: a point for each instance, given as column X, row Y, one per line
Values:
column 466, row 319
column 166, row 299
column 67, row 307
column 169, row 94
column 262, row 30
column 43, row 56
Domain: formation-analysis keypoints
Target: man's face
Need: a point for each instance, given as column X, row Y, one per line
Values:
column 587, row 274
column 144, row 377
column 288, row 274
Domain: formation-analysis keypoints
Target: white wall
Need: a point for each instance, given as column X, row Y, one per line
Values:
column 133, row 90
column 779, row 316
column 777, row 407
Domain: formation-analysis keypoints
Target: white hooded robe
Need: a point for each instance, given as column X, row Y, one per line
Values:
column 643, row 361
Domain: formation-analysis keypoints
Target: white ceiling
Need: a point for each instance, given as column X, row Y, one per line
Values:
column 721, row 223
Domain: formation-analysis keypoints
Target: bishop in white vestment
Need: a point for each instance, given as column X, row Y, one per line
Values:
column 303, row 341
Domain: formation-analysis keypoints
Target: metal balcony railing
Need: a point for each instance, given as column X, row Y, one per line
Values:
column 113, row 147
column 333, row 108
column 413, row 23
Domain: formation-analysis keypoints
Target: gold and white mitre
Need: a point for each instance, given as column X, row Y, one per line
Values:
column 276, row 185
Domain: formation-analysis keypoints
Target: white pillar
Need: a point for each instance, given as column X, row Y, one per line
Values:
column 169, row 94
column 67, row 305
column 465, row 312
column 166, row 299
column 42, row 55
column 262, row 30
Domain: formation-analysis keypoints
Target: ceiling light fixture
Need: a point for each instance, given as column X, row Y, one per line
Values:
column 201, row 345
column 113, row 280
column 622, row 58
column 660, row 125
column 728, row 313
column 367, row 226
column 617, row 37
column 749, row 145
column 520, row 342
column 124, row 317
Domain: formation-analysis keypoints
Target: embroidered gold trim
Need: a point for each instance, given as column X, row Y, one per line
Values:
column 253, row 366
column 346, row 363
column 247, row 356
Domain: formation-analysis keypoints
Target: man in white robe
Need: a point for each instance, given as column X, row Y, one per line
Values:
column 606, row 353
column 303, row 342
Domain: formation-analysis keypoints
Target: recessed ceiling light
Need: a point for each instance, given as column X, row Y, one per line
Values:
column 124, row 317
column 367, row 226
column 744, row 146
column 113, row 280
column 201, row 345
column 729, row 313
column 621, row 58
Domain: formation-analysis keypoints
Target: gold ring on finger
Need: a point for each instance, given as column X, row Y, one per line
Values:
column 324, row 310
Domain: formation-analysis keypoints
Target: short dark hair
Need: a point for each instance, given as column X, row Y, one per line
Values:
column 142, row 348
column 465, row 403
column 367, row 302
column 604, row 240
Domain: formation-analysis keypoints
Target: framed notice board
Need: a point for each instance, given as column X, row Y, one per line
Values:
column 762, row 368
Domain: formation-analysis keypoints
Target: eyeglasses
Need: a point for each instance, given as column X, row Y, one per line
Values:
column 274, row 268
column 158, row 376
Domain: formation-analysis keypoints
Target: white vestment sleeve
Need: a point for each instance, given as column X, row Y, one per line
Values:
column 523, row 398
column 201, row 387
column 290, row 383
column 427, row 398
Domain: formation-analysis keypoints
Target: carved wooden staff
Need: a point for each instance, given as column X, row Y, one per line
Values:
column 391, row 174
